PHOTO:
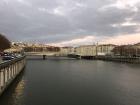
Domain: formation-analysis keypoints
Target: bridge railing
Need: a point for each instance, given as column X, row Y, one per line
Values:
column 9, row 70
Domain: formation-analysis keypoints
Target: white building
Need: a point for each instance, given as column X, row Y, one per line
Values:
column 64, row 51
column 105, row 49
column 87, row 50
column 94, row 50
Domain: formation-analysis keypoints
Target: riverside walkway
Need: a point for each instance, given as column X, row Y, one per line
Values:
column 9, row 70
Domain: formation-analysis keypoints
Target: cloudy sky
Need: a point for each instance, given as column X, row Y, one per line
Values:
column 71, row 22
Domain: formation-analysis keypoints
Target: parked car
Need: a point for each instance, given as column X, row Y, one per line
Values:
column 7, row 57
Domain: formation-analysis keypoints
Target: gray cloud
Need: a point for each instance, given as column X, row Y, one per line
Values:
column 60, row 20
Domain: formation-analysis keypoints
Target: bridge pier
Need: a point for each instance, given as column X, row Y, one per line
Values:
column 44, row 57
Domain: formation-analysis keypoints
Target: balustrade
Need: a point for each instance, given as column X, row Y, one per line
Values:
column 9, row 70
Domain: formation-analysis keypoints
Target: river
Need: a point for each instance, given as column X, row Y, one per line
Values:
column 58, row 81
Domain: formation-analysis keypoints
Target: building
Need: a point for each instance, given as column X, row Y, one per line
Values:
column 64, row 51
column 137, row 49
column 95, row 50
column 127, row 50
column 105, row 49
column 86, row 50
column 14, row 50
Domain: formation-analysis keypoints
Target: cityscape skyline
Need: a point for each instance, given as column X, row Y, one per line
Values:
column 89, row 40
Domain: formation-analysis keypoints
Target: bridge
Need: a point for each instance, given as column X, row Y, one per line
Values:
column 43, row 54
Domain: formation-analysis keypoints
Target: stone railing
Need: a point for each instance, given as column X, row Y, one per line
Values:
column 9, row 71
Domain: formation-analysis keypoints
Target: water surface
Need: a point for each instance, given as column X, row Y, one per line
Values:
column 75, row 82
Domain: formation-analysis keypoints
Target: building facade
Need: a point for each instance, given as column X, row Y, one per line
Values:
column 127, row 50
column 65, row 51
column 87, row 50
column 105, row 49
column 95, row 50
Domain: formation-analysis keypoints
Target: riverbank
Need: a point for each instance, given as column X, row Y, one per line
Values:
column 109, row 58
column 120, row 59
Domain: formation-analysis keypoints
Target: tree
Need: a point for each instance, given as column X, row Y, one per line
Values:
column 4, row 43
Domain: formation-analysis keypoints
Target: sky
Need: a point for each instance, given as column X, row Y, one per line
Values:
column 71, row 22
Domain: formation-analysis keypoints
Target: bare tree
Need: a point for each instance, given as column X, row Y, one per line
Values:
column 4, row 43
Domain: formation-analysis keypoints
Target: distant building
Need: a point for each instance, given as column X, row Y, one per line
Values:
column 105, row 49
column 127, row 50
column 41, row 49
column 95, row 50
column 64, row 51
column 136, row 48
column 137, row 45
column 35, row 47
column 86, row 50
column 14, row 50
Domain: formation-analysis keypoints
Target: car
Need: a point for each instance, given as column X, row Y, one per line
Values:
column 7, row 57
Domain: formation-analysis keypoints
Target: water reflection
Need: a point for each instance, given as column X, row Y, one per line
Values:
column 14, row 95
column 75, row 82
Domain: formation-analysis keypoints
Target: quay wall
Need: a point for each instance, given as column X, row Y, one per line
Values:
column 120, row 59
column 9, row 70
column 109, row 58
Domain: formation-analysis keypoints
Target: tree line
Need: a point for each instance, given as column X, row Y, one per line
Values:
column 4, row 43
